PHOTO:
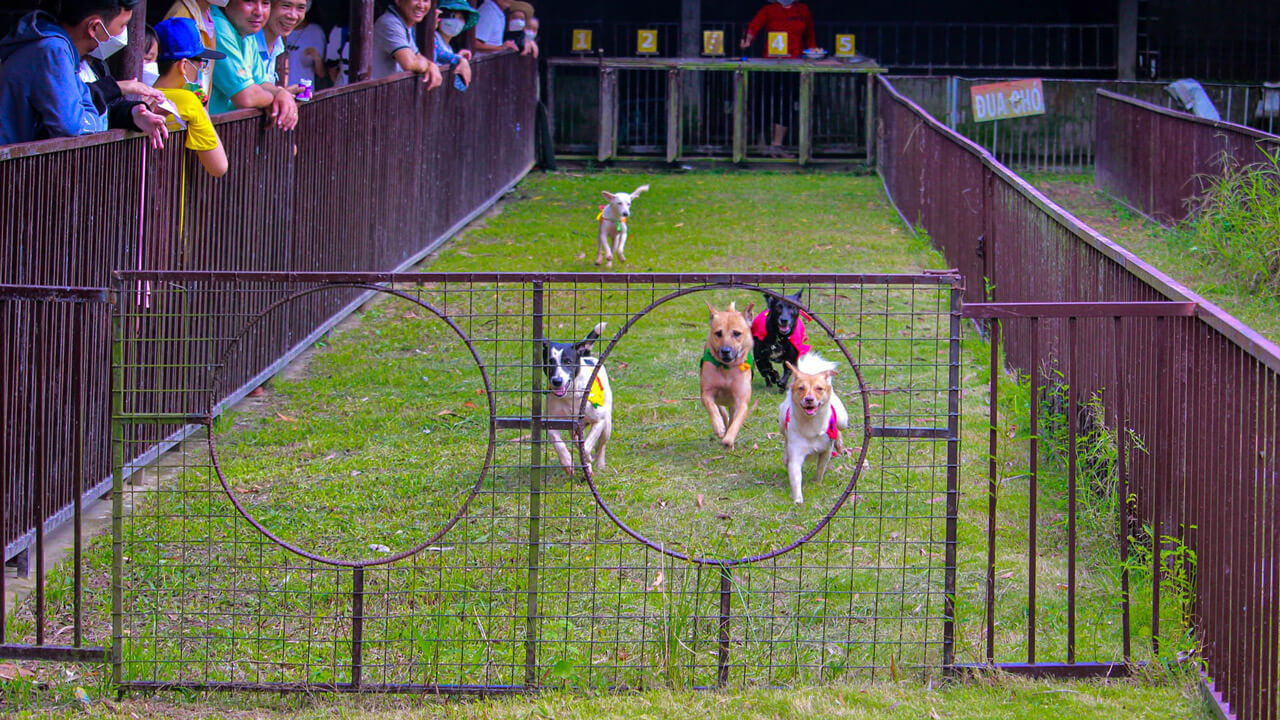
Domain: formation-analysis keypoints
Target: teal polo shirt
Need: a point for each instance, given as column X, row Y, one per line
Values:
column 243, row 67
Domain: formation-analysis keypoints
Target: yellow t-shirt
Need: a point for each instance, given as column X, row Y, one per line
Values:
column 200, row 133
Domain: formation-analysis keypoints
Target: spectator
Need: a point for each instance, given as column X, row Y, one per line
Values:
column 41, row 92
column 796, row 21
column 337, row 55
column 518, row 14
column 454, row 17
column 395, row 45
column 787, row 16
column 285, row 16
column 531, row 30
column 150, row 71
column 200, row 11
column 306, row 53
column 181, row 60
column 492, row 26
column 241, row 80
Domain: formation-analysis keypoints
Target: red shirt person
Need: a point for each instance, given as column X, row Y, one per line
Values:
column 787, row 16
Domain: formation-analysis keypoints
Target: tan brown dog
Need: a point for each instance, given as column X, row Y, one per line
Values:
column 725, row 371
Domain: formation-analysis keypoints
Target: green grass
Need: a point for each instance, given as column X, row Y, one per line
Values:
column 370, row 447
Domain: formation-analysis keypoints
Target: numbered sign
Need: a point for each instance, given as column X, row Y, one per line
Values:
column 778, row 45
column 646, row 42
column 845, row 46
column 582, row 41
column 713, row 42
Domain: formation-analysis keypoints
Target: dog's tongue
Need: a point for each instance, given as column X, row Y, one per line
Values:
column 811, row 410
column 559, row 392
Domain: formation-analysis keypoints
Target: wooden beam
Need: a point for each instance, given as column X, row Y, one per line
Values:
column 806, row 117
column 360, row 65
column 739, row 115
column 607, row 147
column 675, row 97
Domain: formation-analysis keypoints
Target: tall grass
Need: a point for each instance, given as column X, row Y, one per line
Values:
column 1236, row 223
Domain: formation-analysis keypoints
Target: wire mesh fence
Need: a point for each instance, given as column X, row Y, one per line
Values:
column 392, row 512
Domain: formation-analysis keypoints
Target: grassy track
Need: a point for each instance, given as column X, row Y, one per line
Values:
column 347, row 454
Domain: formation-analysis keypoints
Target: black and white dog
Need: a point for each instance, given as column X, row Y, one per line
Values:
column 780, row 338
column 568, row 367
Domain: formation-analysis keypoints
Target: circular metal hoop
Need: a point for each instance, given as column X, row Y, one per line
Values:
column 840, row 501
column 248, row 516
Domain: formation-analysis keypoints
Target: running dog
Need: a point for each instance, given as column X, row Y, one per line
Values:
column 811, row 417
column 725, row 371
column 780, row 338
column 613, row 219
column 568, row 367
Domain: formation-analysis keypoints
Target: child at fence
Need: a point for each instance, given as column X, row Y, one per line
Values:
column 180, row 62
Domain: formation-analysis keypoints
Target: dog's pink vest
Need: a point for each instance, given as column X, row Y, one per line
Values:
column 759, row 328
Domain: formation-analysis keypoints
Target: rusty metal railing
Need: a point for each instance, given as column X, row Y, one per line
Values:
column 1156, row 160
column 375, row 176
column 1202, row 397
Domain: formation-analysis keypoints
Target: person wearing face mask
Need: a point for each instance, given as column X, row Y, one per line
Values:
column 200, row 11
column 395, row 44
column 181, row 60
column 241, row 80
column 518, row 14
column 42, row 93
column 492, row 26
column 454, row 17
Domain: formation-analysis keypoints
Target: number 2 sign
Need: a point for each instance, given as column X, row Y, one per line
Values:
column 646, row 42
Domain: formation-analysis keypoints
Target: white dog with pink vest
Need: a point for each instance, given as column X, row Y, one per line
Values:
column 811, row 418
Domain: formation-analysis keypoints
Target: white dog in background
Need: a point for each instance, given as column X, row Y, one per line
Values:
column 811, row 417
column 613, row 219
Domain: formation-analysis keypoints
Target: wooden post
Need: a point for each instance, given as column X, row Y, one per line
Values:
column 739, row 115
column 806, row 116
column 871, row 120
column 129, row 65
column 690, row 28
column 1127, row 40
column 674, row 104
column 361, row 60
column 608, row 142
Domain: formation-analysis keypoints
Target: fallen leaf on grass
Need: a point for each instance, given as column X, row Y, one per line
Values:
column 678, row 225
column 1006, row 576
column 12, row 672
column 701, row 498
column 938, row 499
column 468, row 404
column 442, row 413
column 658, row 580
column 285, row 418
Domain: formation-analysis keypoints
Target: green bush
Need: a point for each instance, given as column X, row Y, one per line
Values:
column 1236, row 223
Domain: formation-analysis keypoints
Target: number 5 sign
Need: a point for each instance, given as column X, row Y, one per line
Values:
column 778, row 45
column 845, row 46
column 646, row 42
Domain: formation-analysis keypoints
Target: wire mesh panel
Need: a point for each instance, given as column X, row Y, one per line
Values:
column 642, row 111
column 707, row 112
column 409, row 507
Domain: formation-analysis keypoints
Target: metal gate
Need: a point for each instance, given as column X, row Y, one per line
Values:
column 389, row 515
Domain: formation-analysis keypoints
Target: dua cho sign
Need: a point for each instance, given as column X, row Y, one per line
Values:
column 1003, row 100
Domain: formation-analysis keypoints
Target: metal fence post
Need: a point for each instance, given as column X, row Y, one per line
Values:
column 117, row 495
column 535, row 496
column 953, row 479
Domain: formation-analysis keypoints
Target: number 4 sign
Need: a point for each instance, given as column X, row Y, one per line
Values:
column 778, row 45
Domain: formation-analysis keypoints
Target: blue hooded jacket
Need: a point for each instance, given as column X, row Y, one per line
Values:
column 41, row 93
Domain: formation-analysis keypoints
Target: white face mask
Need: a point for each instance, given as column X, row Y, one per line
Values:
column 515, row 25
column 452, row 26
column 150, row 73
column 113, row 43
column 530, row 34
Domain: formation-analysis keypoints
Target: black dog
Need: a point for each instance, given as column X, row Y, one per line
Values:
column 780, row 338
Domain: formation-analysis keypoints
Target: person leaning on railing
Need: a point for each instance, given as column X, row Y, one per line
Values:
column 395, row 45
column 285, row 16
column 199, row 11
column 518, row 15
column 787, row 16
column 181, row 59
column 41, row 92
column 241, row 80
column 493, row 26
column 454, row 17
